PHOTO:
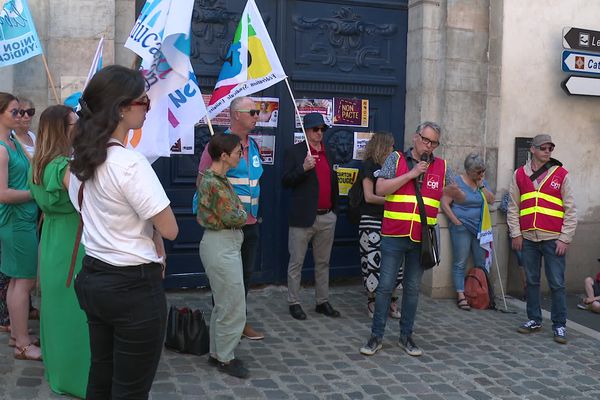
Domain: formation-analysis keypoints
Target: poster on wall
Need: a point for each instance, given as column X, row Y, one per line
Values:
column 266, row 145
column 346, row 178
column 222, row 119
column 298, row 137
column 268, row 111
column 351, row 112
column 321, row 106
column 360, row 143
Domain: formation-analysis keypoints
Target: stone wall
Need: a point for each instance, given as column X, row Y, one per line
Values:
column 69, row 31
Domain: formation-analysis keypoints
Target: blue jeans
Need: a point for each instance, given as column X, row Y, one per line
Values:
column 463, row 244
column 555, row 274
column 393, row 251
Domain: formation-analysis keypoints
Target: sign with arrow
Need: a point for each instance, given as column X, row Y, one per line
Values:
column 582, row 63
column 581, row 86
column 581, row 39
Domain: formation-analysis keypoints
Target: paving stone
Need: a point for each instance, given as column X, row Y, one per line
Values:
column 319, row 359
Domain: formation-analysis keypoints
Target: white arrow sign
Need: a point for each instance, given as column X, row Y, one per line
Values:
column 582, row 86
column 580, row 62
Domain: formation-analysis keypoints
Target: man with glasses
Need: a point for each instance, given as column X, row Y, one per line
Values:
column 401, row 228
column 312, row 217
column 245, row 181
column 542, row 219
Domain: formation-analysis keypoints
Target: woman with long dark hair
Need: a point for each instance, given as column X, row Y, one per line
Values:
column 18, row 237
column 63, row 323
column 369, row 229
column 125, row 213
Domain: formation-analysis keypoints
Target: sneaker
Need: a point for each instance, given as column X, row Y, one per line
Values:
column 372, row 346
column 560, row 335
column 409, row 346
column 394, row 312
column 529, row 327
column 235, row 368
column 583, row 306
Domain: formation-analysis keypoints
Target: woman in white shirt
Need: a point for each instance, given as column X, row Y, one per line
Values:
column 125, row 214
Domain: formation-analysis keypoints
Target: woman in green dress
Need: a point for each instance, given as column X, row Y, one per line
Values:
column 18, row 237
column 63, row 325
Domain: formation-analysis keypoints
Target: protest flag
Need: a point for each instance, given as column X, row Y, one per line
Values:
column 486, row 234
column 161, row 37
column 251, row 64
column 19, row 40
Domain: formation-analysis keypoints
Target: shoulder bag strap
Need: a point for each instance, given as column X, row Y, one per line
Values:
column 80, row 226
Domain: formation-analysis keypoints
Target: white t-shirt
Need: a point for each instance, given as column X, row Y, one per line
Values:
column 117, row 206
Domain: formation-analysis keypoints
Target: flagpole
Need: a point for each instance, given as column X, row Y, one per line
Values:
column 210, row 127
column 298, row 114
column 50, row 79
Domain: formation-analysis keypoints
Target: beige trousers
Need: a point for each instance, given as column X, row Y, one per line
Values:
column 321, row 235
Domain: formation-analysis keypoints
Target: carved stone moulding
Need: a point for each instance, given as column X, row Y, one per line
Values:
column 345, row 41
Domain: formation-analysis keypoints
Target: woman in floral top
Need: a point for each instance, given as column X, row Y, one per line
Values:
column 222, row 214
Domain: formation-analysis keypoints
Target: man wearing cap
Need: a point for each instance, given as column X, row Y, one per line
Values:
column 542, row 219
column 312, row 217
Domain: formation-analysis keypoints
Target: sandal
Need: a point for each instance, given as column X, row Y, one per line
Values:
column 463, row 304
column 4, row 328
column 12, row 342
column 371, row 307
column 22, row 353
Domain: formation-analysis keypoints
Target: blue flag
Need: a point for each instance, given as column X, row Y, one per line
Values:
column 18, row 38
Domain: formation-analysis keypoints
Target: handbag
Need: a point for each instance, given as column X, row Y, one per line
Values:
column 430, row 256
column 187, row 331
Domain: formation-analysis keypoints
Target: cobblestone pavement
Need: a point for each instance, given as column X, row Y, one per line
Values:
column 467, row 355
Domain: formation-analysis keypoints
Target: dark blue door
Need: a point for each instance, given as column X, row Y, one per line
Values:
column 351, row 49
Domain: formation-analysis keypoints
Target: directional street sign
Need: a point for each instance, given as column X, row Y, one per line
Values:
column 581, row 85
column 581, row 39
column 582, row 63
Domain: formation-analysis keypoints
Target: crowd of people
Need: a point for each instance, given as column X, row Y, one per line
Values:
column 105, row 213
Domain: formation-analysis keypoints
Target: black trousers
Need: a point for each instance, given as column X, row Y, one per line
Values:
column 126, row 311
column 249, row 250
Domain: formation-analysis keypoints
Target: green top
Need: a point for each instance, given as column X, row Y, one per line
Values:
column 63, row 323
column 218, row 205
column 18, row 166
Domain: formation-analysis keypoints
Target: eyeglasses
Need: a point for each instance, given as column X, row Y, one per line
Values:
column 251, row 112
column 318, row 128
column 428, row 142
column 479, row 172
column 16, row 113
column 30, row 112
column 144, row 101
column 549, row 148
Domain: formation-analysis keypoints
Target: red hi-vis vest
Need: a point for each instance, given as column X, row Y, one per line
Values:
column 401, row 216
column 543, row 208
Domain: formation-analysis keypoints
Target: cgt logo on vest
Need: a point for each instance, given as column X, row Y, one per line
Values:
column 555, row 184
column 433, row 181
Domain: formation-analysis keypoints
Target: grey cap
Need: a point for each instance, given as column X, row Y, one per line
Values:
column 541, row 139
